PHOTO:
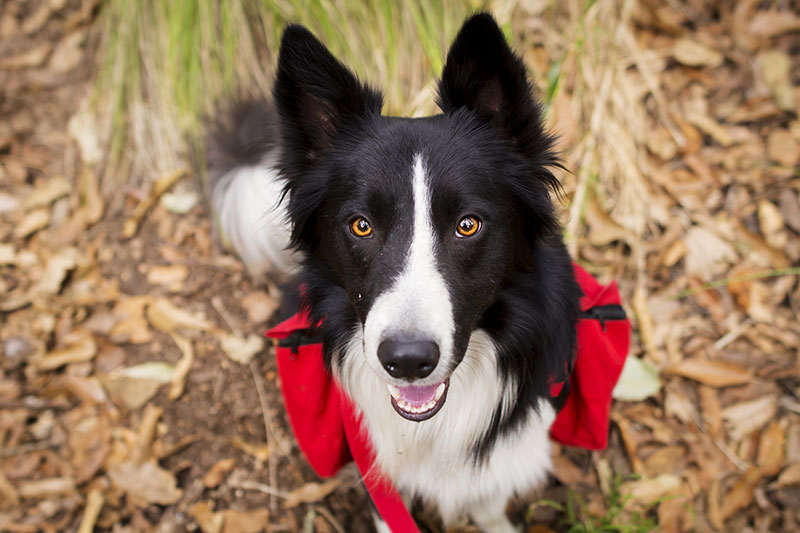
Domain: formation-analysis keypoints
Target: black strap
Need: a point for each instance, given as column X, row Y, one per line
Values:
column 298, row 338
column 604, row 313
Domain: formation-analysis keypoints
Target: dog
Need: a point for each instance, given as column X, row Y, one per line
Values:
column 429, row 253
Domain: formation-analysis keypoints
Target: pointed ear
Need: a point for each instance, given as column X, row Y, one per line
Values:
column 315, row 95
column 483, row 75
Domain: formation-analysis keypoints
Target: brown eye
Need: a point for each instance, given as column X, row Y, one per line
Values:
column 468, row 226
column 361, row 227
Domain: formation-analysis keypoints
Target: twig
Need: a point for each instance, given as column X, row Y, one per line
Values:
column 261, row 487
column 775, row 273
column 732, row 335
column 94, row 503
column 330, row 518
column 270, row 434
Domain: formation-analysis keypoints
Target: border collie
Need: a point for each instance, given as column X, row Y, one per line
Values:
column 431, row 249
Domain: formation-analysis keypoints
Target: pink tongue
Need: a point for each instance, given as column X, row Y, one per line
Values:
column 418, row 395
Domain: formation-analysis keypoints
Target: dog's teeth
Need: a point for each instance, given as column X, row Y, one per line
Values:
column 394, row 391
column 439, row 392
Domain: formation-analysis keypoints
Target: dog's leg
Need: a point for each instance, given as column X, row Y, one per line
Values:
column 490, row 516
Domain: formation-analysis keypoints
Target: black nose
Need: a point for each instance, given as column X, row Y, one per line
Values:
column 407, row 359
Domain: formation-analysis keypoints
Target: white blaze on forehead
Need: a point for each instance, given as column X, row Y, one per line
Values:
column 418, row 303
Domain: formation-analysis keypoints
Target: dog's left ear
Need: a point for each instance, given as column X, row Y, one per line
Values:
column 482, row 74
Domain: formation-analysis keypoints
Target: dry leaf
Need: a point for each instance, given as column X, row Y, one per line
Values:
column 647, row 491
column 783, row 148
column 8, row 203
column 707, row 255
column 639, row 380
column 773, row 23
column 694, row 54
column 712, row 373
column 207, row 519
column 776, row 70
column 218, row 473
column 741, row 495
column 254, row 521
column 47, row 487
column 171, row 275
column 770, row 221
column 259, row 306
column 68, row 52
column 770, row 450
column 160, row 186
column 94, row 504
column 164, row 316
column 259, row 451
column 89, row 440
column 8, row 255
column 83, row 128
column 182, row 367
column 46, row 192
column 31, row 58
column 789, row 477
column 711, row 409
column 58, row 266
column 790, row 208
column 32, row 222
column 79, row 352
column 131, row 326
column 242, row 349
column 179, row 203
column 311, row 492
column 602, row 228
column 146, row 482
column 745, row 417
column 135, row 386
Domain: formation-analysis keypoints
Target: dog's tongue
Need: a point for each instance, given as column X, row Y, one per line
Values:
column 418, row 395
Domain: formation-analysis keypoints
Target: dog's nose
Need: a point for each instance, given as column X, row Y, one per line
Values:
column 408, row 359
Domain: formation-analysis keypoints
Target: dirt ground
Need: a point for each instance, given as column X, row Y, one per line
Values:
column 137, row 392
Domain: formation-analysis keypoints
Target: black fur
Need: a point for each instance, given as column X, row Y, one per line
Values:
column 487, row 154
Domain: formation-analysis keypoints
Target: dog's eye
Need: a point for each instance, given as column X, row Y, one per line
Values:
column 361, row 227
column 467, row 227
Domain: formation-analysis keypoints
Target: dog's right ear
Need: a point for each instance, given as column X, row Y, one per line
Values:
column 315, row 95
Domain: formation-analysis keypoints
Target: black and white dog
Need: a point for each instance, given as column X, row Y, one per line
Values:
column 431, row 249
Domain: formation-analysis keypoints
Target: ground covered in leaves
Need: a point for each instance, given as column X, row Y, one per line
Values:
column 137, row 393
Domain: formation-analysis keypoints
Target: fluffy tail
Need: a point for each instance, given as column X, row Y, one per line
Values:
column 245, row 190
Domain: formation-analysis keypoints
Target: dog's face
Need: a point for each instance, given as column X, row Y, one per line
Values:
column 413, row 225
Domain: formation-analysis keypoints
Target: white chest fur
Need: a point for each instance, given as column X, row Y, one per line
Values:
column 434, row 459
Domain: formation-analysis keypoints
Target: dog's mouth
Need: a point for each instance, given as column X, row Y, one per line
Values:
column 419, row 402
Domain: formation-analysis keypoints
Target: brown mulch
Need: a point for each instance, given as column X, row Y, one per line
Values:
column 137, row 394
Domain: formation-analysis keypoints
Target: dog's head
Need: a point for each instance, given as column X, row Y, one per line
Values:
column 411, row 227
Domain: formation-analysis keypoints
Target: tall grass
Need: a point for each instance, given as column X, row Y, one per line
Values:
column 164, row 65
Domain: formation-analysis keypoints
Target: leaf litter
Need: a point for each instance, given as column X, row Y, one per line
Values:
column 126, row 395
